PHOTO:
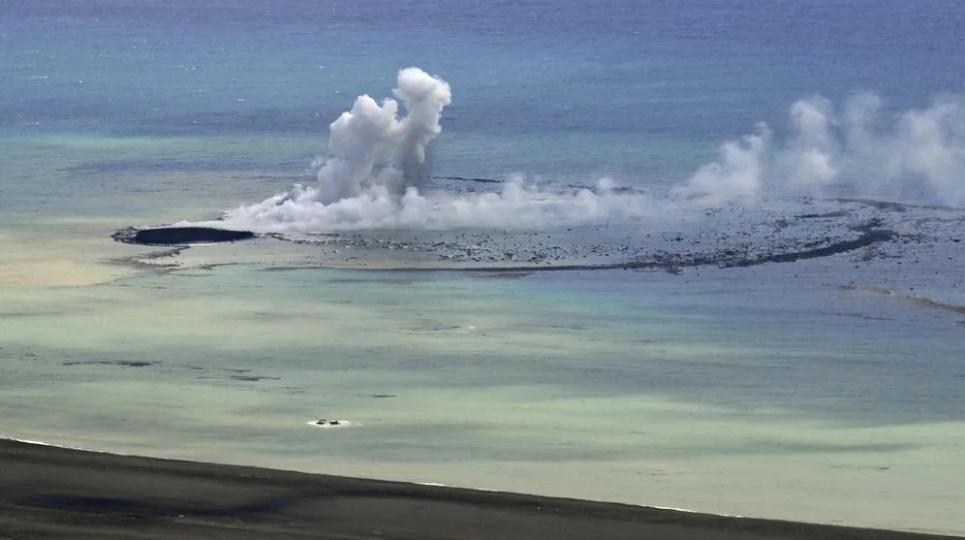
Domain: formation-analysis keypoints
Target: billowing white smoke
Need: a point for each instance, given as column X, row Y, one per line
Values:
column 920, row 156
column 370, row 179
column 370, row 145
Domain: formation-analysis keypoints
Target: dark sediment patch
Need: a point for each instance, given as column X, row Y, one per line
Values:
column 143, row 261
column 896, row 206
column 465, row 179
column 254, row 378
column 880, row 205
column 501, row 275
column 167, row 236
column 824, row 215
column 122, row 363
column 919, row 301
column 385, row 281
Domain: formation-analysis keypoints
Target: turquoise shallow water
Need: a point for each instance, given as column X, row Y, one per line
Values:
column 766, row 391
column 747, row 399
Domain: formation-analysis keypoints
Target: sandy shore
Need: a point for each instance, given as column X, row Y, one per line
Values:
column 49, row 492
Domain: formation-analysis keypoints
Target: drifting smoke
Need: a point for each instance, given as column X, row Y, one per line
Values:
column 919, row 157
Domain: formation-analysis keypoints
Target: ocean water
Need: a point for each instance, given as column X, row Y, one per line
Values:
column 827, row 390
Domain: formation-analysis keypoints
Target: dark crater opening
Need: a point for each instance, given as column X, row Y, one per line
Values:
column 167, row 236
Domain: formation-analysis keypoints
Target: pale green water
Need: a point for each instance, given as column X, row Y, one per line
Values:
column 618, row 386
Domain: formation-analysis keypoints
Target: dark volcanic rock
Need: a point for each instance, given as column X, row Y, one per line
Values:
column 868, row 238
column 166, row 236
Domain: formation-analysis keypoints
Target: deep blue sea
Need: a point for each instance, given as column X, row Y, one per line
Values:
column 828, row 390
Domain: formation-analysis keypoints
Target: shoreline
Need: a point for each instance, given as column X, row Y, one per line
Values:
column 58, row 492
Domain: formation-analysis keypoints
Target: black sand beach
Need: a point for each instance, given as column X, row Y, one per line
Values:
column 49, row 492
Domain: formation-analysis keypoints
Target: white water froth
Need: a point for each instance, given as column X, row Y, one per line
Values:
column 517, row 206
column 38, row 443
column 331, row 424
column 52, row 445
column 371, row 179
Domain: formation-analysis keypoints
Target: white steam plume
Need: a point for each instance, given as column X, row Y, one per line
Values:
column 737, row 176
column 363, row 183
column 370, row 179
column 920, row 156
column 370, row 145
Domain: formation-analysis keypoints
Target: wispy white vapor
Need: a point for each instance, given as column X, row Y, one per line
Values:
column 931, row 146
column 736, row 176
column 920, row 155
column 807, row 161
